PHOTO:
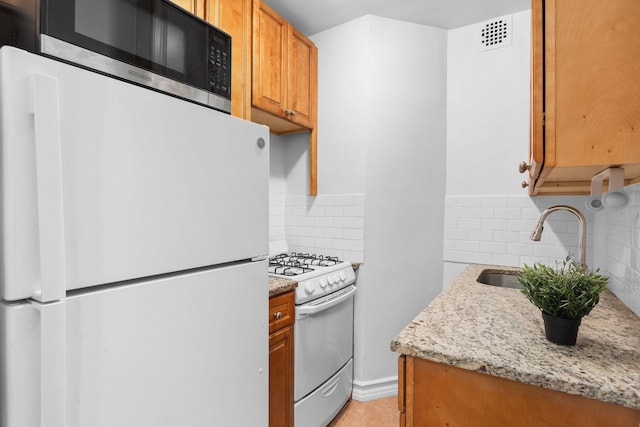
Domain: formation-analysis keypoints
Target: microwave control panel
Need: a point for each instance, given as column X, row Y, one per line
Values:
column 219, row 63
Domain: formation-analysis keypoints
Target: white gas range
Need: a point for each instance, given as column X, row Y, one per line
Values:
column 316, row 275
column 323, row 333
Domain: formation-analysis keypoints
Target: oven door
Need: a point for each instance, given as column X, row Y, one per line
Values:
column 323, row 341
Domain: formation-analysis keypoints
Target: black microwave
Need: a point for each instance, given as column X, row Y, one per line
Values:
column 152, row 43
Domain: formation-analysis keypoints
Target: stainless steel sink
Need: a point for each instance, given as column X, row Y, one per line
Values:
column 502, row 279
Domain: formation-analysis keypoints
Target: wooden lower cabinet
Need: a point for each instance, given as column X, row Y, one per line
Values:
column 434, row 394
column 281, row 317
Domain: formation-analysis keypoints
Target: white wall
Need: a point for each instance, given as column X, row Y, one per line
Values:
column 382, row 121
column 487, row 111
column 405, row 158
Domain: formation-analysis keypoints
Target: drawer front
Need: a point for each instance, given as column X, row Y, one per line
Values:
column 281, row 311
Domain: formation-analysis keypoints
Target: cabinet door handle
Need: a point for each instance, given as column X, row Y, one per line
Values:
column 524, row 184
column 523, row 167
column 277, row 315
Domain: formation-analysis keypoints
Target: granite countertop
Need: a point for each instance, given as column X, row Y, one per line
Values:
column 497, row 331
column 279, row 286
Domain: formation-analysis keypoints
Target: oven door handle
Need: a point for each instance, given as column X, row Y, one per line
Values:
column 310, row 309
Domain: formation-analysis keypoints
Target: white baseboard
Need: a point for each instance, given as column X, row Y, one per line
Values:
column 364, row 391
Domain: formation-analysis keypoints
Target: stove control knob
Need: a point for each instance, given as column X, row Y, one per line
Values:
column 334, row 278
column 323, row 283
column 343, row 275
column 308, row 288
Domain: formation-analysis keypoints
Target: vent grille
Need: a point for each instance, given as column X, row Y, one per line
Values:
column 495, row 33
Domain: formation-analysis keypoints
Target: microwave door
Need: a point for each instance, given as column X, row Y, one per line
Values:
column 179, row 49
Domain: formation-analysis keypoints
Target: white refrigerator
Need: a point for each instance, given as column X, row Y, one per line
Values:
column 133, row 277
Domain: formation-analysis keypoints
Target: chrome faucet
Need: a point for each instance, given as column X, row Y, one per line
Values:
column 537, row 232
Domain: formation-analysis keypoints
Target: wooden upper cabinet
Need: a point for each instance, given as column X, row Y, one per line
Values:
column 197, row 7
column 285, row 69
column 303, row 78
column 585, row 106
column 270, row 40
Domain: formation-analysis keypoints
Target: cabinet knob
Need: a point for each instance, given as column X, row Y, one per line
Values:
column 277, row 315
column 287, row 111
column 524, row 184
column 523, row 167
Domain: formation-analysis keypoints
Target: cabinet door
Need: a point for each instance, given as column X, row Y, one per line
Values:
column 194, row 6
column 303, row 72
column 536, row 140
column 269, row 59
column 589, row 92
column 281, row 378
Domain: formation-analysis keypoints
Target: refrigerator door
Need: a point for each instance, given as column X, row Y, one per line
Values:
column 104, row 181
column 160, row 353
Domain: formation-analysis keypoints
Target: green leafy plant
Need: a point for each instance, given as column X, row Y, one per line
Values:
column 569, row 291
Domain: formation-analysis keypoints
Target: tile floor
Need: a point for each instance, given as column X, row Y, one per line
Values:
column 375, row 413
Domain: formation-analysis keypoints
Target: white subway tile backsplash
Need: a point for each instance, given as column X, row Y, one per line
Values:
column 470, row 223
column 508, row 213
column 484, row 235
column 613, row 236
column 521, row 249
column 353, row 211
column 496, row 229
column 479, row 258
column 329, row 224
column 334, row 232
column 494, row 201
column 491, row 224
column 502, row 235
column 480, row 213
column 493, row 247
column 467, row 246
column 354, row 233
column 505, row 259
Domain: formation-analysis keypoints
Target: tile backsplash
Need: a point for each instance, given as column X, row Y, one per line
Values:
column 496, row 229
column 325, row 224
column 617, row 248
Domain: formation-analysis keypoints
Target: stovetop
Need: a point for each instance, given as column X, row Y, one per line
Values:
column 295, row 263
column 317, row 275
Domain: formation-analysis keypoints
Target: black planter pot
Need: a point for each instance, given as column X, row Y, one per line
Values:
column 561, row 331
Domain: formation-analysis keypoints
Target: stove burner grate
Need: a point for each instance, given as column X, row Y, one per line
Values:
column 294, row 263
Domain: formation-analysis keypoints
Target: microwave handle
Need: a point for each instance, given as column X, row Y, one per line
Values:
column 48, row 151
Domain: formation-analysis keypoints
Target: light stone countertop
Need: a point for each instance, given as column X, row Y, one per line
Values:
column 497, row 331
column 279, row 286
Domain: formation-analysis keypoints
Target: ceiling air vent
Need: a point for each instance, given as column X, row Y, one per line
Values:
column 495, row 33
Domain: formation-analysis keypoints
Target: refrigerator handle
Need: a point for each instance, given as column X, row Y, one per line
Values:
column 52, row 363
column 46, row 111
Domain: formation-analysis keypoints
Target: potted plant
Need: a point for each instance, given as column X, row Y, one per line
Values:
column 564, row 295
